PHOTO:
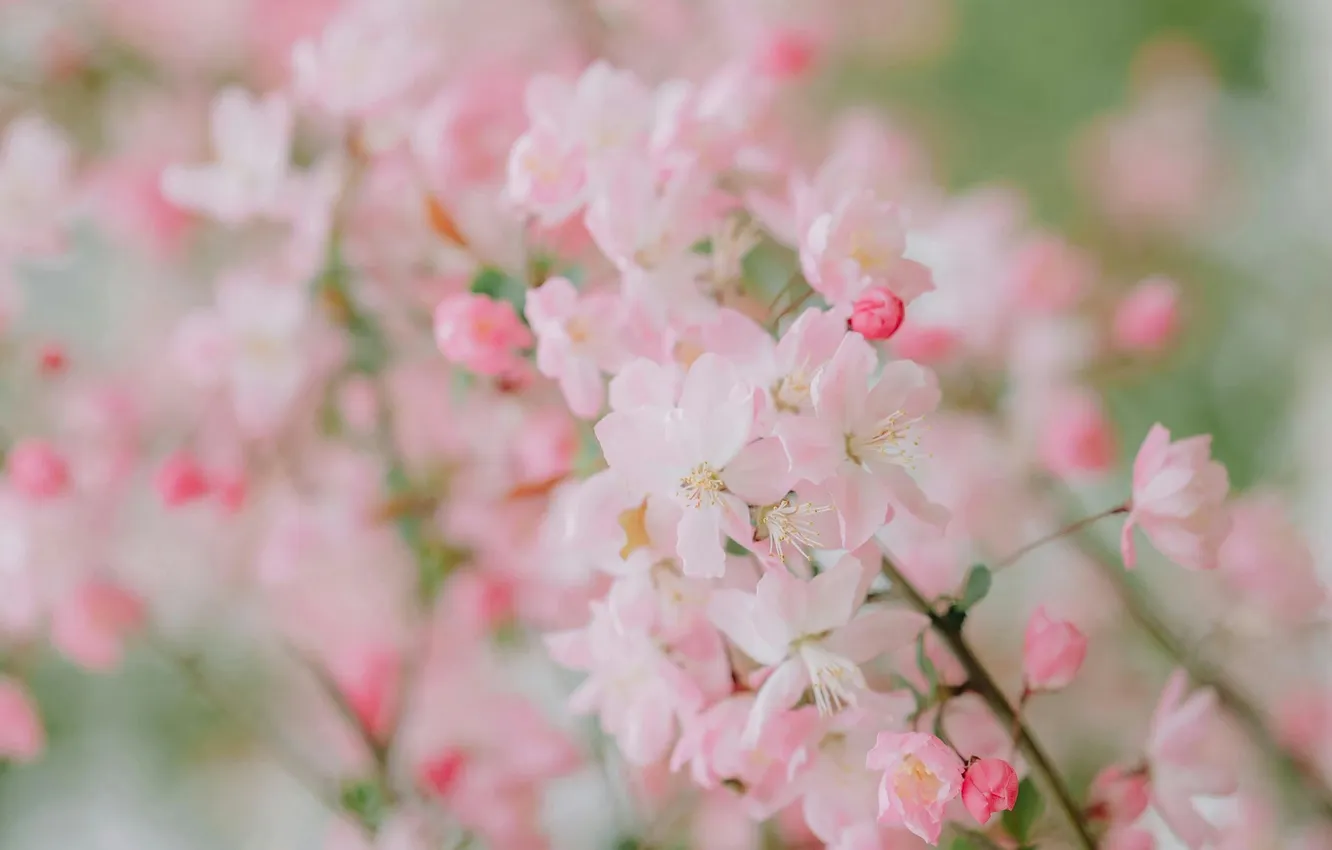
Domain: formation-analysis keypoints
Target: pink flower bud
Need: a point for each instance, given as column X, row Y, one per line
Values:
column 877, row 314
column 231, row 488
column 787, row 53
column 481, row 333
column 36, row 469
column 1076, row 436
column 89, row 626
column 22, row 737
column 181, row 480
column 1119, row 795
column 440, row 774
column 369, row 679
column 1148, row 317
column 52, row 359
column 989, row 786
column 1052, row 652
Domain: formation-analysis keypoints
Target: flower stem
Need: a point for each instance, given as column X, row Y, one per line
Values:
column 983, row 684
column 1071, row 528
column 1231, row 696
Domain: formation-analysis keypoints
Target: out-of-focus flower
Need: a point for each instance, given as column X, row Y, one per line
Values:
column 921, row 775
column 1186, row 759
column 252, row 147
column 22, row 737
column 1179, row 496
column 1119, row 796
column 1268, row 560
column 575, row 341
column 989, row 786
column 181, row 479
column 1077, row 438
column 856, row 243
column 36, row 469
column 1052, row 652
column 1147, row 319
column 36, row 165
column 482, row 333
column 90, row 625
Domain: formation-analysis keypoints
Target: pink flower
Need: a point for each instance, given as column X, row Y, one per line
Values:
column 1077, row 438
column 1269, row 562
column 812, row 635
column 369, row 677
column 90, row 625
column 36, row 165
column 921, row 774
column 877, row 314
column 1187, row 759
column 36, row 469
column 1148, row 317
column 361, row 61
column 1119, row 796
column 574, row 341
column 22, row 737
column 252, row 145
column 181, row 479
column 547, row 174
column 861, row 437
column 1049, row 275
column 481, row 333
column 1052, row 652
column 1128, row 838
column 989, row 786
column 1179, row 496
column 703, row 460
column 858, row 242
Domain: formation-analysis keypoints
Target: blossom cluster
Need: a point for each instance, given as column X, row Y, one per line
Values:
column 526, row 357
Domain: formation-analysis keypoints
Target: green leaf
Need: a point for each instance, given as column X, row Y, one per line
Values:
column 496, row 284
column 366, row 801
column 1025, row 812
column 962, row 842
column 734, row 548
column 926, row 666
column 977, row 587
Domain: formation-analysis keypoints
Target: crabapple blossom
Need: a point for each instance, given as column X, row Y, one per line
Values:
column 481, row 333
column 877, row 314
column 809, row 636
column 251, row 140
column 22, row 737
column 575, row 341
column 1052, row 652
column 1186, row 759
column 921, row 775
column 989, row 786
column 1148, row 317
column 1178, row 500
column 36, row 469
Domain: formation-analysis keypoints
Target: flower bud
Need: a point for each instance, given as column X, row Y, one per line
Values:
column 1118, row 795
column 22, row 737
column 480, row 333
column 36, row 469
column 181, row 480
column 877, row 314
column 1148, row 317
column 1052, row 652
column 89, row 626
column 989, row 786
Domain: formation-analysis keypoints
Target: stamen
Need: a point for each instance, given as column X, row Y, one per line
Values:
column 702, row 486
column 786, row 523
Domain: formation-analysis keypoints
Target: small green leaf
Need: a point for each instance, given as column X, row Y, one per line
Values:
column 1025, row 813
column 977, row 587
column 962, row 842
column 734, row 548
column 496, row 284
column 926, row 666
column 365, row 800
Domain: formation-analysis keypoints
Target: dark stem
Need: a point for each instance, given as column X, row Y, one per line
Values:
column 984, row 686
column 1233, row 698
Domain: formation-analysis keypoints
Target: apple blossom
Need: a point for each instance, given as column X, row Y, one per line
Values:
column 921, row 775
column 989, row 786
column 1178, row 500
column 1052, row 652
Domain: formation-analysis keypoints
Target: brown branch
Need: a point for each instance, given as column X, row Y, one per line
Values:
column 983, row 684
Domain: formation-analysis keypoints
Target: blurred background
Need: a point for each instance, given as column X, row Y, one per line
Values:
column 1190, row 138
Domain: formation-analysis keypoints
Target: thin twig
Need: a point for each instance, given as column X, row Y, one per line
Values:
column 1231, row 696
column 984, row 686
column 279, row 749
column 1071, row 528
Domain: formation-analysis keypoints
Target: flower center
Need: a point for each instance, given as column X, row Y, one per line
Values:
column 791, row 393
column 702, row 486
column 634, row 523
column 785, row 523
column 893, row 437
column 915, row 783
column 833, row 679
